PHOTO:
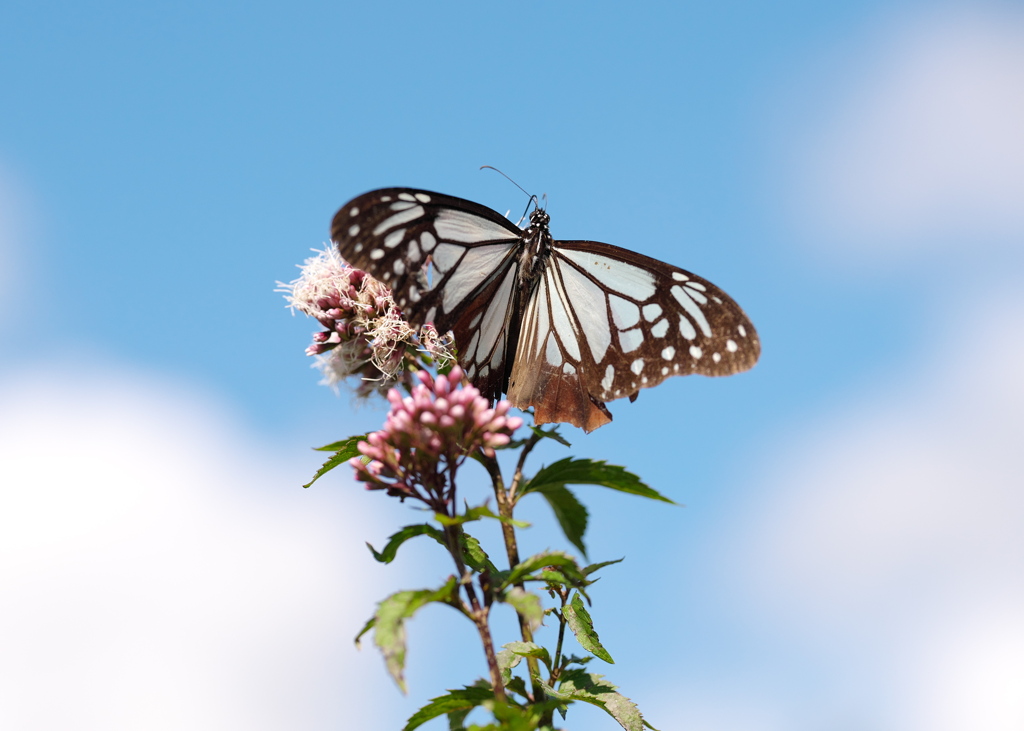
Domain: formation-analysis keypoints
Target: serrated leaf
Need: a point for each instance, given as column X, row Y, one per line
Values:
column 588, row 570
column 389, row 622
column 333, row 461
column 387, row 555
column 523, row 570
column 474, row 555
column 551, row 433
column 529, row 649
column 471, row 514
column 594, row 689
column 366, row 628
column 527, row 606
column 569, row 512
column 572, row 471
column 579, row 621
column 456, row 701
column 344, row 444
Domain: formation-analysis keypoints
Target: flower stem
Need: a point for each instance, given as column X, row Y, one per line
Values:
column 505, row 509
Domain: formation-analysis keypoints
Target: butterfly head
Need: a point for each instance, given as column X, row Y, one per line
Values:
column 539, row 219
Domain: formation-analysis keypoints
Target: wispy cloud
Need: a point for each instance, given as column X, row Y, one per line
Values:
column 163, row 570
column 915, row 140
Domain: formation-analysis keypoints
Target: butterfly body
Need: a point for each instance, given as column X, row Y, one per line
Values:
column 562, row 326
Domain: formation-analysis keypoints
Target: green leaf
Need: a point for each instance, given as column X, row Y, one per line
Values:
column 397, row 539
column 579, row 621
column 471, row 514
column 349, row 443
column 538, row 562
column 551, row 433
column 527, row 605
column 455, row 702
column 597, row 566
column 571, row 471
column 344, row 450
column 569, row 512
column 528, row 649
column 474, row 555
column 366, row 628
column 580, row 685
column 389, row 622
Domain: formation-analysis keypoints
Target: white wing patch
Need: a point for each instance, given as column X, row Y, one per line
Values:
column 589, row 305
column 474, row 268
column 632, row 281
column 467, row 228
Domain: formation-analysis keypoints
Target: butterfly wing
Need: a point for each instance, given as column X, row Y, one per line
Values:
column 448, row 261
column 604, row 322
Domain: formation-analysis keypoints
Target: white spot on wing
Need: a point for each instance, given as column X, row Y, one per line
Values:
column 731, row 346
column 413, row 252
column 616, row 275
column 446, row 256
column 624, row 312
column 394, row 238
column 742, row 331
column 423, row 198
column 411, row 214
column 637, row 366
column 399, row 267
column 467, row 228
column 353, row 229
column 377, row 254
column 652, row 311
column 353, row 211
column 668, row 353
column 716, row 357
column 695, row 295
column 696, row 352
column 692, row 309
column 659, row 328
column 588, row 304
column 686, row 329
column 427, row 241
column 405, row 197
column 680, row 277
column 493, row 321
column 476, row 265
column 552, row 354
column 630, row 340
column 609, row 377
column 560, row 318
column 568, row 368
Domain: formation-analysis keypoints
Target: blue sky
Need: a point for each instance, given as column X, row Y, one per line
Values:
column 851, row 172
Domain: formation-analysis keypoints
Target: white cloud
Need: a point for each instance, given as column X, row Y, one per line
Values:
column 160, row 569
column 888, row 541
column 916, row 143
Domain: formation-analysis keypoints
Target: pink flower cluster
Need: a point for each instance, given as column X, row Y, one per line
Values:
column 429, row 433
column 364, row 332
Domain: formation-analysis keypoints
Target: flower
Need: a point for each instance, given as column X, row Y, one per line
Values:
column 428, row 434
column 364, row 331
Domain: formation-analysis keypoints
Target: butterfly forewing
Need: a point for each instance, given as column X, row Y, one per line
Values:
column 437, row 253
column 581, row 324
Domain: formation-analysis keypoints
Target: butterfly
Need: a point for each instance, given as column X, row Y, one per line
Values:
column 560, row 326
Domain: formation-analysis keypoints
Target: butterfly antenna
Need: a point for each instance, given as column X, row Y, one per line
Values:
column 534, row 201
column 491, row 167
